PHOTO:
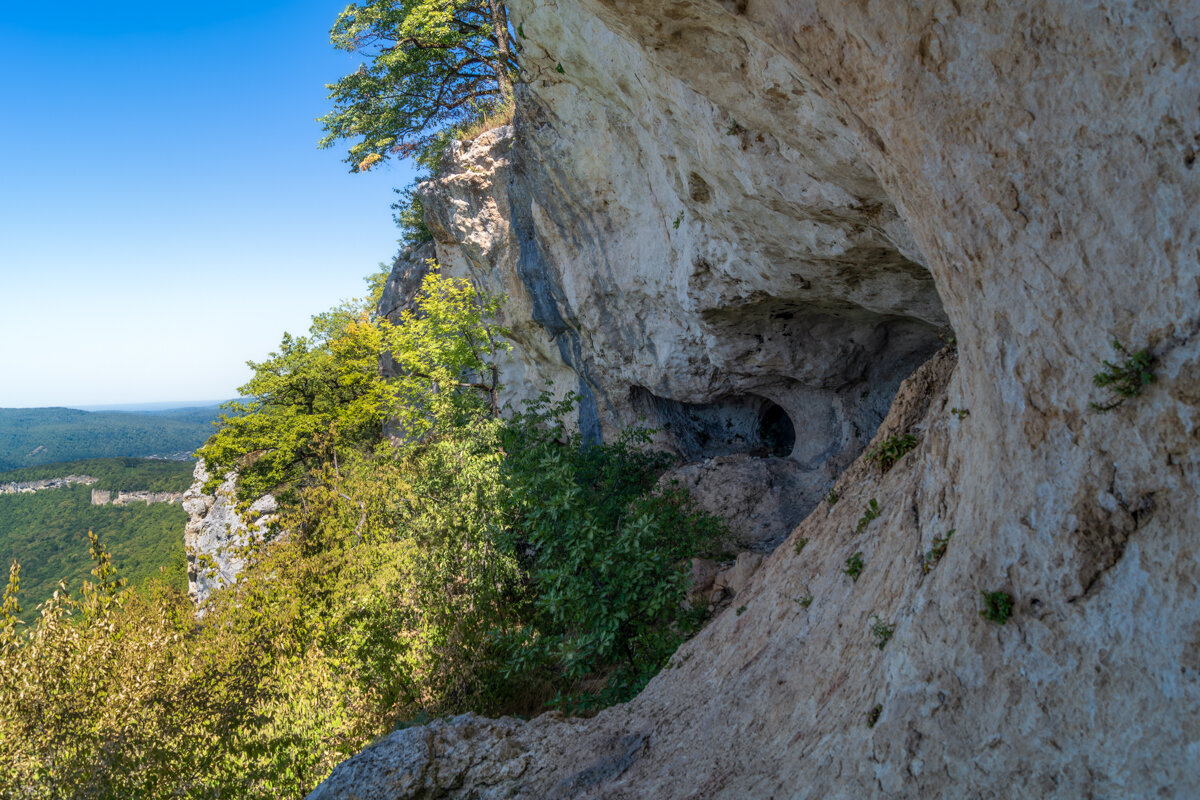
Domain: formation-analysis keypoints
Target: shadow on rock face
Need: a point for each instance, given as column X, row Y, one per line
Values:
column 739, row 424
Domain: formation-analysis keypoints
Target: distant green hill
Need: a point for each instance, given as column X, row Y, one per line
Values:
column 34, row 436
column 47, row 531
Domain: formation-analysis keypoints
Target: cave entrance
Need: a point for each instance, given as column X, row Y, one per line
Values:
column 776, row 431
column 735, row 424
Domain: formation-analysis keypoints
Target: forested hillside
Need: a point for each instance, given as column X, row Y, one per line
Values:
column 34, row 436
column 47, row 531
column 115, row 474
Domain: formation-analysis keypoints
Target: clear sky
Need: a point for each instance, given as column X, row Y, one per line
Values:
column 165, row 214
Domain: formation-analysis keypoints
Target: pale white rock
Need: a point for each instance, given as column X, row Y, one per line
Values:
column 31, row 487
column 217, row 535
column 103, row 497
column 1025, row 171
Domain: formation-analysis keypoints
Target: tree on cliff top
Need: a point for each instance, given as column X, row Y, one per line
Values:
column 434, row 63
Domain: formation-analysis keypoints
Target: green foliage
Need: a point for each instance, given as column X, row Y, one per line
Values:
column 870, row 514
column 322, row 397
column 881, row 631
column 432, row 64
column 470, row 564
column 800, row 545
column 854, row 566
column 35, row 436
column 935, row 553
column 997, row 607
column 607, row 553
column 874, row 714
column 409, row 215
column 832, row 496
column 741, row 610
column 439, row 70
column 734, row 128
column 804, row 602
column 116, row 694
column 1125, row 379
column 891, row 450
column 677, row 221
column 960, row 413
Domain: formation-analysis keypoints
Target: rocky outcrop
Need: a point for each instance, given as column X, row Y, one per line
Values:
column 218, row 533
column 104, row 497
column 847, row 178
column 29, row 487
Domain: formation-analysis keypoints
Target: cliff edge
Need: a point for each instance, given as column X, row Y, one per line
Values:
column 741, row 219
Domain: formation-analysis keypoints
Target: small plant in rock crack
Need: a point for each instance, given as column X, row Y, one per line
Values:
column 891, row 450
column 804, row 602
column 873, row 715
column 832, row 496
column 734, row 128
column 935, row 553
column 678, row 220
column 1126, row 379
column 799, row 546
column 961, row 413
column 997, row 607
column 741, row 610
column 854, row 566
column 881, row 631
column 870, row 513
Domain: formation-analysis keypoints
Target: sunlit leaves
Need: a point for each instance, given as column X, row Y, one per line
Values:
column 432, row 63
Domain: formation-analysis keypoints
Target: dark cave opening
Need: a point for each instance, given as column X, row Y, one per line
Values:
column 731, row 425
column 776, row 431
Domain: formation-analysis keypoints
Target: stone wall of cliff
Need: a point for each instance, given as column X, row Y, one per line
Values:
column 722, row 205
column 218, row 533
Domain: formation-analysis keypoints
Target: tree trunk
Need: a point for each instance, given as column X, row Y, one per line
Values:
column 499, row 15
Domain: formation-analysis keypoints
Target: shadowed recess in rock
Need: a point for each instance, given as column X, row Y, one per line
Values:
column 733, row 425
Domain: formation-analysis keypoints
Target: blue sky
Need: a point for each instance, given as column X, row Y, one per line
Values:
column 165, row 214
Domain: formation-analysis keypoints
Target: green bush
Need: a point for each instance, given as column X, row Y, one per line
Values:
column 934, row 554
column 607, row 554
column 870, row 514
column 1125, row 379
column 854, row 566
column 891, row 450
column 881, row 632
column 997, row 607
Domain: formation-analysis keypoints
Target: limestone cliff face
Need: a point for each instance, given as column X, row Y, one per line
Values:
column 217, row 533
column 104, row 497
column 31, row 487
column 846, row 179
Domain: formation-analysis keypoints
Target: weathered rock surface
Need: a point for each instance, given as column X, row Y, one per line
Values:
column 217, row 534
column 1025, row 171
column 761, row 499
column 30, row 487
column 104, row 497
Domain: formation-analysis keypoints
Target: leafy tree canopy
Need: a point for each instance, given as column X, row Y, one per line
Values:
column 323, row 396
column 433, row 63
